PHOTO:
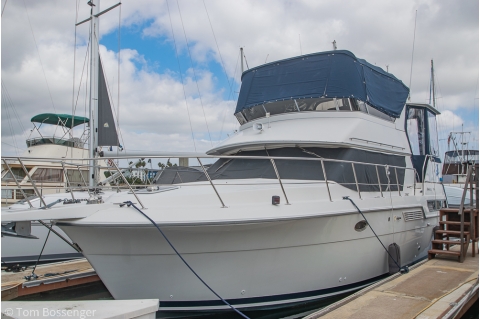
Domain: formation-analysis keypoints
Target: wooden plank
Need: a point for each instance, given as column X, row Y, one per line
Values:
column 23, row 291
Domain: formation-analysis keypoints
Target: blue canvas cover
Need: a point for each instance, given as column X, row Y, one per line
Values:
column 336, row 74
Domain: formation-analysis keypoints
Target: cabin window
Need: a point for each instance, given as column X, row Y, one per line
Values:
column 75, row 178
column 294, row 105
column 18, row 172
column 308, row 105
column 416, row 131
column 433, row 134
column 47, row 175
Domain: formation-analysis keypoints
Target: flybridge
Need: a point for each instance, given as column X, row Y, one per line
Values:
column 322, row 76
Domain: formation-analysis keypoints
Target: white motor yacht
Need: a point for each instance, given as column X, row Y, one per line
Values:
column 274, row 221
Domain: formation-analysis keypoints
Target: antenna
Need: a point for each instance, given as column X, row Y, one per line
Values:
column 266, row 58
column 334, row 45
column 413, row 50
column 241, row 57
column 432, row 87
column 387, row 67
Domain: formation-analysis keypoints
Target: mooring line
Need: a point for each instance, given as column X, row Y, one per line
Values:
column 129, row 203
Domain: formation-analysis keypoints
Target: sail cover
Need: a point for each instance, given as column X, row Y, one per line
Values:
column 336, row 74
column 107, row 132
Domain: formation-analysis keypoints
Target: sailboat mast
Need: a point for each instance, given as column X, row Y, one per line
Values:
column 93, row 105
column 432, row 93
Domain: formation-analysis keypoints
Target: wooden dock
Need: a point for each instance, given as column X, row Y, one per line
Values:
column 50, row 277
column 437, row 288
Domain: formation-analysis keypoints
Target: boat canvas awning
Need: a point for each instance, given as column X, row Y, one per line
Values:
column 336, row 74
column 65, row 120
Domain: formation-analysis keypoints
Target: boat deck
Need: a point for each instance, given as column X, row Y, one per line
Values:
column 432, row 289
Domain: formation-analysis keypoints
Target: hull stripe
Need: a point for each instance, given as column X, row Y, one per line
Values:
column 269, row 299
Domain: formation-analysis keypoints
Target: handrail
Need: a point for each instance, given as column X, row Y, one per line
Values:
column 424, row 173
column 32, row 181
column 213, row 157
column 18, row 185
column 460, row 212
column 272, row 159
column 326, row 180
column 356, row 181
column 211, row 183
column 279, row 180
column 131, row 189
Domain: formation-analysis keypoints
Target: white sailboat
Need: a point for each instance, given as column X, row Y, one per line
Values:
column 274, row 221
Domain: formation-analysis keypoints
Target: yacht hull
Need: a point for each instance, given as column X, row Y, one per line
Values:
column 252, row 265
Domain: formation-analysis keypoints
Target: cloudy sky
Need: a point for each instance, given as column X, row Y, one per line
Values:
column 178, row 90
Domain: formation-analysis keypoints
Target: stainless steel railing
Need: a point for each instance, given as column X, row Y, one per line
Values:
column 67, row 163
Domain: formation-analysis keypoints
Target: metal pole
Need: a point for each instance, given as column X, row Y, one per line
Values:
column 18, row 184
column 423, row 174
column 462, row 217
column 125, row 180
column 326, row 180
column 241, row 59
column 74, row 246
column 93, row 101
column 279, row 180
column 31, row 180
column 84, row 181
column 398, row 184
column 68, row 181
column 378, row 178
column 211, row 183
column 356, row 181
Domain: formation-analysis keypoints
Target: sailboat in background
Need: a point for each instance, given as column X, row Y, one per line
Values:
column 39, row 183
column 456, row 161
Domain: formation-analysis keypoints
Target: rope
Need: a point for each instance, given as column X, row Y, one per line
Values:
column 194, row 73
column 39, row 57
column 129, row 203
column 402, row 269
column 181, row 77
column 229, row 95
column 3, row 9
column 33, row 275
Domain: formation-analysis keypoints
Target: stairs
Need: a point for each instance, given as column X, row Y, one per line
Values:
column 458, row 226
column 450, row 233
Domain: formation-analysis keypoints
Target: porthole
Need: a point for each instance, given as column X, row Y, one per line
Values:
column 361, row 225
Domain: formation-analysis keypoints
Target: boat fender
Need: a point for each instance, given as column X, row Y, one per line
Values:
column 394, row 262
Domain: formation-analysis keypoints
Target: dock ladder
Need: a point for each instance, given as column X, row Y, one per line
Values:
column 458, row 226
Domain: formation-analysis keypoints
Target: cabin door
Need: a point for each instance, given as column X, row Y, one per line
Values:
column 421, row 127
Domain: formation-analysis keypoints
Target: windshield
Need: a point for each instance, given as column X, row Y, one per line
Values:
column 307, row 105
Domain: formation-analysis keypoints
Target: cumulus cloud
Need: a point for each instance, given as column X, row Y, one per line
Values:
column 158, row 111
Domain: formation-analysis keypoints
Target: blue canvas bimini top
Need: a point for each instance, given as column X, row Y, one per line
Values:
column 335, row 74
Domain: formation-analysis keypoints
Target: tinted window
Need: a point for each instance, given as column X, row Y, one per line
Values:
column 416, row 131
column 294, row 105
column 47, row 175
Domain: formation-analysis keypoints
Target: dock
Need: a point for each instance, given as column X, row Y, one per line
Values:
column 436, row 288
column 50, row 277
